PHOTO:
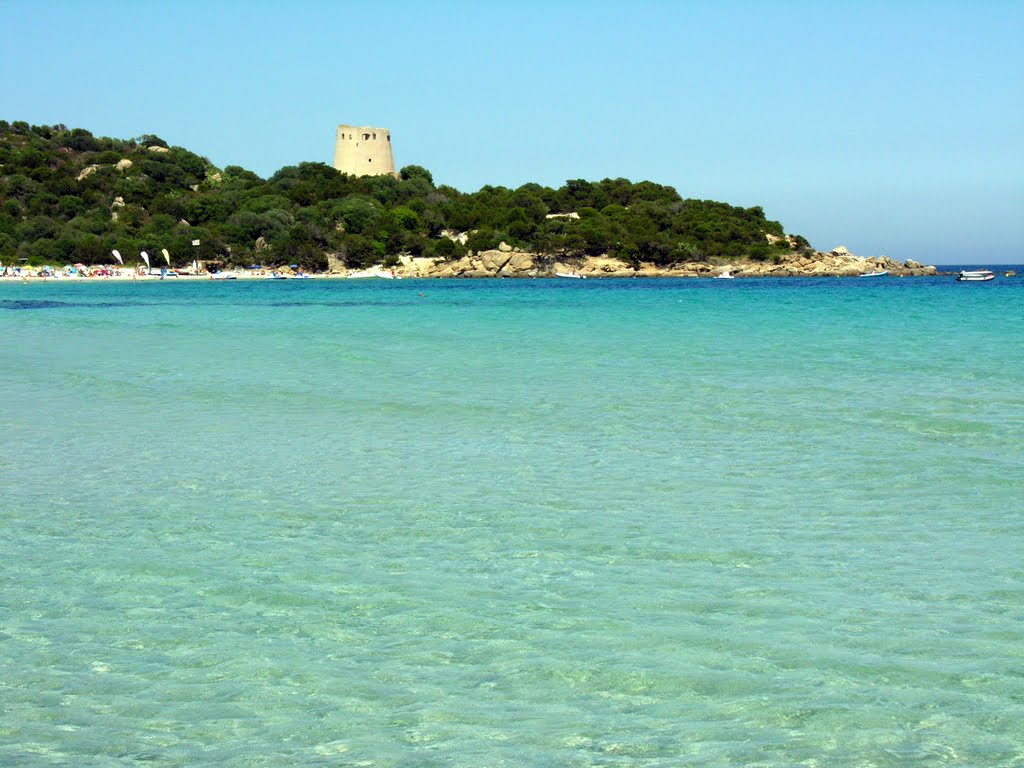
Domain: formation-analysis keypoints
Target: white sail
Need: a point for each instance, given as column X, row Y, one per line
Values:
column 167, row 256
column 117, row 256
column 145, row 257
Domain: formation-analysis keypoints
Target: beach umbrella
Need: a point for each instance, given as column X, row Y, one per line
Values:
column 117, row 256
column 167, row 256
column 145, row 257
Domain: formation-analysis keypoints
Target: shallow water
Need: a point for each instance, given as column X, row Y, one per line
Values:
column 534, row 522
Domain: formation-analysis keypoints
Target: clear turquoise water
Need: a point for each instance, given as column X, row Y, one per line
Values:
column 521, row 523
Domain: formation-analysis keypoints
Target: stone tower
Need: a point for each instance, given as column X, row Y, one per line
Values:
column 360, row 150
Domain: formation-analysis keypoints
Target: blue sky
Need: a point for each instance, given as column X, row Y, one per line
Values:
column 891, row 128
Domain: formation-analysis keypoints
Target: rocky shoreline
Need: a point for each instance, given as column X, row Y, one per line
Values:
column 505, row 262
column 508, row 262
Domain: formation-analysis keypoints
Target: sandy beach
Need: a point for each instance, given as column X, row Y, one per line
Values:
column 108, row 273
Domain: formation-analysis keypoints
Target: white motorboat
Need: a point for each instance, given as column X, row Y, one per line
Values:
column 879, row 273
column 725, row 276
column 569, row 274
column 975, row 276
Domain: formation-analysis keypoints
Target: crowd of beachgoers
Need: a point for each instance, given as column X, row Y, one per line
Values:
column 141, row 272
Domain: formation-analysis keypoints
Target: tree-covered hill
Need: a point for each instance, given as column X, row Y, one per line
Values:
column 68, row 196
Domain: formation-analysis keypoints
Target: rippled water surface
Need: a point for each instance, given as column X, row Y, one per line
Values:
column 522, row 523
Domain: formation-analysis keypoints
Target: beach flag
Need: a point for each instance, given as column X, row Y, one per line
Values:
column 118, row 257
column 167, row 256
column 145, row 257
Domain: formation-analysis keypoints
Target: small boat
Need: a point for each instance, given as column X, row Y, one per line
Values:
column 725, row 276
column 275, row 276
column 223, row 276
column 879, row 273
column 572, row 275
column 975, row 276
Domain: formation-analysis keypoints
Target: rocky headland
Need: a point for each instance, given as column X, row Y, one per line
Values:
column 508, row 262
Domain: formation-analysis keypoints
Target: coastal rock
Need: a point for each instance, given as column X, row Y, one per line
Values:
column 124, row 164
column 335, row 266
column 599, row 266
column 416, row 266
column 88, row 171
column 118, row 202
column 491, row 261
column 648, row 270
column 800, row 262
column 504, row 247
column 158, row 150
column 519, row 263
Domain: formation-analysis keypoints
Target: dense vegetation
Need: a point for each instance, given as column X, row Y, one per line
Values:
column 68, row 196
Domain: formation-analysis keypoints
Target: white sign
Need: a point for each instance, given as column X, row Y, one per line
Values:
column 195, row 242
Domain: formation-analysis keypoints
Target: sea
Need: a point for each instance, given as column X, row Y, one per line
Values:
column 424, row 523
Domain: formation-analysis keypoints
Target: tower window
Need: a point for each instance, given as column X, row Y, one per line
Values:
column 366, row 137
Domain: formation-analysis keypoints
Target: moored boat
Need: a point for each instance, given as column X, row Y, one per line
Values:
column 879, row 273
column 975, row 276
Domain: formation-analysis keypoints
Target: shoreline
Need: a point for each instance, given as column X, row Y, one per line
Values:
column 506, row 262
column 639, row 274
column 518, row 265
